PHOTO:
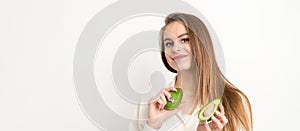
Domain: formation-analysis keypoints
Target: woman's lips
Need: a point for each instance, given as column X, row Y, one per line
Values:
column 179, row 57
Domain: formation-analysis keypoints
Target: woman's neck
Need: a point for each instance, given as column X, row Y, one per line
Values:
column 188, row 82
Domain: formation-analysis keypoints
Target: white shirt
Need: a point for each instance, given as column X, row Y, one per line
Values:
column 178, row 122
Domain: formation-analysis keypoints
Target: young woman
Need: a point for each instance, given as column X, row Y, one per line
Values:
column 187, row 49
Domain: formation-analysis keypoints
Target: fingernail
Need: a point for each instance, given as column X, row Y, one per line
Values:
column 205, row 122
column 213, row 117
column 174, row 89
column 217, row 112
column 171, row 99
column 162, row 108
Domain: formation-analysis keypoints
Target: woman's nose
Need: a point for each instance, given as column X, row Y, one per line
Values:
column 177, row 46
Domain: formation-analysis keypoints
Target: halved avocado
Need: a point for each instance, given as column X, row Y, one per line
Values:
column 209, row 110
column 177, row 96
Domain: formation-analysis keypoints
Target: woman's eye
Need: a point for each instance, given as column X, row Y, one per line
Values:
column 168, row 44
column 184, row 40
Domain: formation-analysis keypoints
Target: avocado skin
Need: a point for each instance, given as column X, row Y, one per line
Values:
column 177, row 96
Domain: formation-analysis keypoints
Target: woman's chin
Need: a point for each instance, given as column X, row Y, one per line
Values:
column 183, row 68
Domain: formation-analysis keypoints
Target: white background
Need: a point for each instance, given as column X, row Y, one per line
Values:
column 260, row 39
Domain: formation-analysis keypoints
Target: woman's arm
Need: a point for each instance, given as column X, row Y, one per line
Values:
column 141, row 115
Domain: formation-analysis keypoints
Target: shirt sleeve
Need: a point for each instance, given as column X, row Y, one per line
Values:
column 148, row 128
column 133, row 126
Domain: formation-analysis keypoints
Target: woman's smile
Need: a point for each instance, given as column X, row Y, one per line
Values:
column 179, row 57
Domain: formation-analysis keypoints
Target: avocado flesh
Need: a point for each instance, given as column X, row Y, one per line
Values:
column 208, row 110
column 177, row 96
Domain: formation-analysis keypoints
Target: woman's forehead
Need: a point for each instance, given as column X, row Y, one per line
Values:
column 174, row 29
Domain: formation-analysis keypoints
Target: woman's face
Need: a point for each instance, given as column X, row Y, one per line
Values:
column 177, row 46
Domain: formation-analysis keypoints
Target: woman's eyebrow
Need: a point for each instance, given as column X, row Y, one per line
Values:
column 167, row 39
column 182, row 35
column 177, row 36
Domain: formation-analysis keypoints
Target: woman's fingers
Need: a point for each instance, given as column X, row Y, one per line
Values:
column 220, row 120
column 170, row 88
column 165, row 92
column 221, row 117
column 168, row 95
column 221, row 108
column 217, row 122
column 203, row 127
column 157, row 96
column 161, row 98
column 206, row 126
column 155, row 99
column 161, row 103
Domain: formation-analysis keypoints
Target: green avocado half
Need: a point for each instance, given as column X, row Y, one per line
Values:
column 177, row 96
column 209, row 110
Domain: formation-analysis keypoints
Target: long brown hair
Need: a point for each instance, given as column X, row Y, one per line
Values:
column 211, row 81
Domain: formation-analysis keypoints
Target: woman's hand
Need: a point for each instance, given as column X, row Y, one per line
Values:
column 217, row 123
column 157, row 114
